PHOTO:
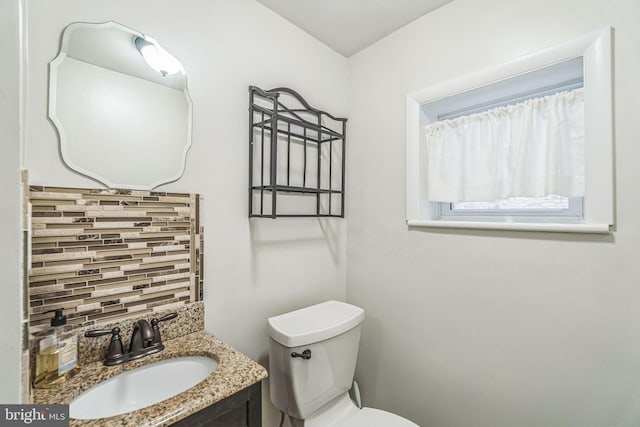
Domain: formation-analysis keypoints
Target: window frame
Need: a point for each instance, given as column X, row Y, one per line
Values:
column 595, row 50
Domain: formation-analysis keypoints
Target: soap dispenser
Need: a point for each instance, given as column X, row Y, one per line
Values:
column 57, row 357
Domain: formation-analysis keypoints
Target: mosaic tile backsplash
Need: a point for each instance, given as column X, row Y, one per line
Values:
column 106, row 254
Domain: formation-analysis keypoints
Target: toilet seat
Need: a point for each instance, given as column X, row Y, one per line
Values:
column 370, row 417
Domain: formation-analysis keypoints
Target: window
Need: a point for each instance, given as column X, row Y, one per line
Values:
column 578, row 74
column 551, row 208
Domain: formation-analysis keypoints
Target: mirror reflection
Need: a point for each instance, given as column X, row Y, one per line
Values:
column 121, row 106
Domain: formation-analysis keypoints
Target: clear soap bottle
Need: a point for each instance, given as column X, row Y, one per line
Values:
column 57, row 356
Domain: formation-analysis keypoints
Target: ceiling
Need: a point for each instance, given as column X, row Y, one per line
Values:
column 348, row 26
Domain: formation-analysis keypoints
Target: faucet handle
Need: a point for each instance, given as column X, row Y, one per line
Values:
column 115, row 354
column 157, row 339
column 100, row 332
column 165, row 317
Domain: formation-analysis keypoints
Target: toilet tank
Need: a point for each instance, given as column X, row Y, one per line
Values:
column 331, row 331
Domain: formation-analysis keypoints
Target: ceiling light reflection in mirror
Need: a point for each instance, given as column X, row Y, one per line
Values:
column 158, row 58
column 124, row 119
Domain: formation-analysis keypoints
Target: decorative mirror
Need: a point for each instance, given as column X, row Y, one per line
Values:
column 121, row 106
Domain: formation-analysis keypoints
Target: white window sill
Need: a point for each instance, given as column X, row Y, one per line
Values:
column 552, row 227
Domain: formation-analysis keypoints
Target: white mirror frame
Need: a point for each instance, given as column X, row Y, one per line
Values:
column 84, row 169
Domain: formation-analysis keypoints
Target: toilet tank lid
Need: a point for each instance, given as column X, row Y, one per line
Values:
column 314, row 323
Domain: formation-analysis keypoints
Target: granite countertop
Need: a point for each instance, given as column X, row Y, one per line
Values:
column 235, row 372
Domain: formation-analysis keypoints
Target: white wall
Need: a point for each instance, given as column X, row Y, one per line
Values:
column 10, row 225
column 253, row 269
column 478, row 327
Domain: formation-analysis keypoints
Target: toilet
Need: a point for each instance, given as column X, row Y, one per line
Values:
column 312, row 360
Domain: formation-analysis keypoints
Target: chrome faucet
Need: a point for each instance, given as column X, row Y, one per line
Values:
column 145, row 340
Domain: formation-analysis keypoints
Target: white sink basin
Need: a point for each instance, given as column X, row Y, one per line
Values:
column 141, row 387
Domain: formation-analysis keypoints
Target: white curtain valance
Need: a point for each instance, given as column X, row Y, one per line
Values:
column 530, row 149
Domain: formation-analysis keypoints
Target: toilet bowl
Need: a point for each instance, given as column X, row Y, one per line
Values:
column 312, row 360
column 342, row 412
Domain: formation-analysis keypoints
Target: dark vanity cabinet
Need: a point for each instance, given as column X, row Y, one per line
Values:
column 243, row 409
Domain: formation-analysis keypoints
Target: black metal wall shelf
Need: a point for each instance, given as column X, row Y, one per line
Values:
column 296, row 157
